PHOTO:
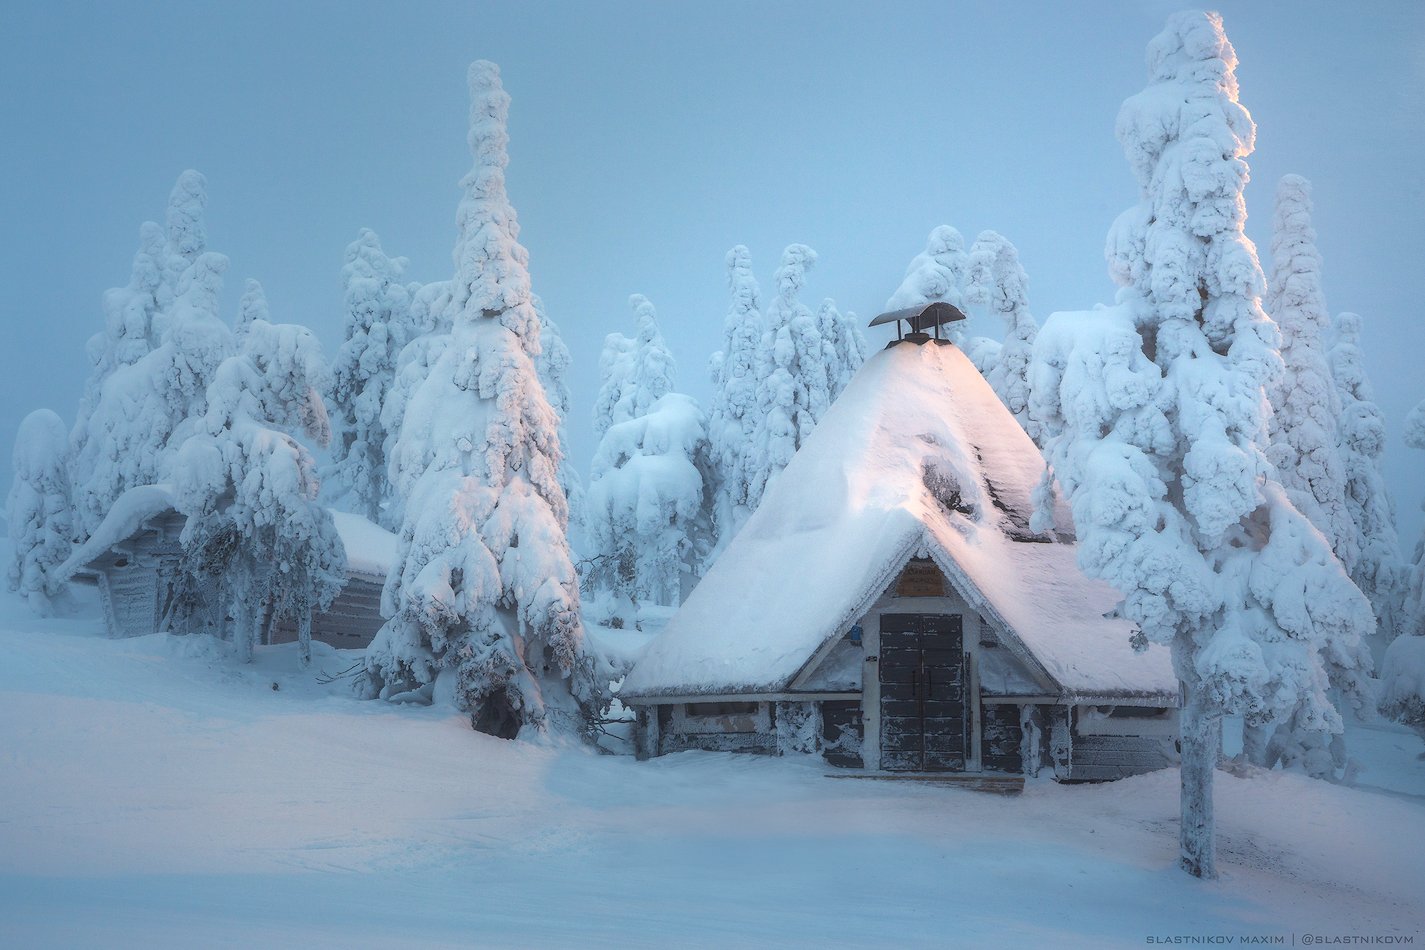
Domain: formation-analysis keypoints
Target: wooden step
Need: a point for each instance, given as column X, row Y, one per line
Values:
column 995, row 783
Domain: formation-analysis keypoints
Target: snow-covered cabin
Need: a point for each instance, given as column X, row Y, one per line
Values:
column 889, row 606
column 133, row 559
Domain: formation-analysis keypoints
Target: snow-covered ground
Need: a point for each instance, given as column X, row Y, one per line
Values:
column 154, row 794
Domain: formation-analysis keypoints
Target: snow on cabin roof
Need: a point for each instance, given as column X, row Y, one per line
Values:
column 370, row 549
column 917, row 457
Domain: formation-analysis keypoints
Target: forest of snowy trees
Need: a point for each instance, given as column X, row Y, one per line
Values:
column 1213, row 431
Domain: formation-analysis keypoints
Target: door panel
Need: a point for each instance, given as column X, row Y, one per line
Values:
column 922, row 674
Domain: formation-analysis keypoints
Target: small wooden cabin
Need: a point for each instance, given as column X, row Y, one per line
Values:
column 890, row 607
column 133, row 559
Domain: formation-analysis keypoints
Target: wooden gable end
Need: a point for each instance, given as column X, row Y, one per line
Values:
column 920, row 577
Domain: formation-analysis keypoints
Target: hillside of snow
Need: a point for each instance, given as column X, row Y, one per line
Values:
column 152, row 793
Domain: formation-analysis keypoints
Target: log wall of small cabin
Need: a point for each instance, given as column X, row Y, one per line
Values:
column 678, row 731
column 350, row 623
column 1104, row 750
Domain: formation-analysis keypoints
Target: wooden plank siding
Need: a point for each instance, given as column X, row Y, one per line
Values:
column 349, row 623
column 1001, row 739
column 1104, row 758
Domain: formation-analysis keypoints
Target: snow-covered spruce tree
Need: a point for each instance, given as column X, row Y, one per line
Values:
column 615, row 378
column 128, row 335
column 251, row 306
column 1402, row 670
column 377, row 328
column 484, row 585
column 995, row 280
column 1379, row 570
column 41, row 511
column 1156, row 422
column 256, row 535
column 732, row 419
column 430, row 329
column 186, row 237
column 140, row 417
column 647, row 513
column 794, row 392
column 843, row 345
column 552, row 364
column 136, row 317
column 1305, row 404
column 936, row 273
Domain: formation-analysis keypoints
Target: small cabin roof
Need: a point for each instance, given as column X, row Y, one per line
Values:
column 917, row 457
column 922, row 316
column 370, row 549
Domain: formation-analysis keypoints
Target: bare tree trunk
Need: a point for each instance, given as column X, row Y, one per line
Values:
column 1201, row 731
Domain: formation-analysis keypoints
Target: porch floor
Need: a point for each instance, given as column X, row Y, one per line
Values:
column 995, row 782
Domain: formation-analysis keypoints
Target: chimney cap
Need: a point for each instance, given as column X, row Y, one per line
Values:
column 923, row 316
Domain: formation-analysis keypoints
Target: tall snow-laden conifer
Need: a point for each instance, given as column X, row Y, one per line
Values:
column 255, row 535
column 1402, row 670
column 843, row 345
column 936, row 273
column 147, row 408
column 186, row 236
column 1379, row 570
column 1306, row 407
column 995, row 280
column 647, row 512
column 732, row 420
column 1156, row 418
column 794, row 391
column 137, row 322
column 251, row 306
column 484, row 585
column 430, row 329
column 552, row 365
column 615, row 382
column 129, row 333
column 377, row 328
column 41, row 511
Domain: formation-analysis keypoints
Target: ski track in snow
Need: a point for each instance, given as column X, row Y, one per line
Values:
column 152, row 793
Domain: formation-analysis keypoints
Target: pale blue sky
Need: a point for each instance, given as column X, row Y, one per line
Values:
column 647, row 138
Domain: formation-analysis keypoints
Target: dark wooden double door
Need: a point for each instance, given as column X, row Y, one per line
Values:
column 923, row 687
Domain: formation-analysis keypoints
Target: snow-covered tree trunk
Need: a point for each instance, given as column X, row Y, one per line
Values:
column 1200, row 731
column 40, row 511
column 484, row 583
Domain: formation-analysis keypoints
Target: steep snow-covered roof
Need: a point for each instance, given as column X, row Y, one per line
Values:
column 370, row 549
column 917, row 456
